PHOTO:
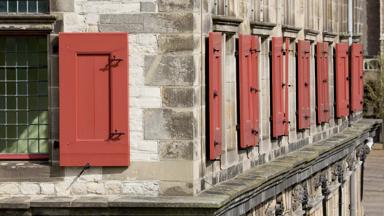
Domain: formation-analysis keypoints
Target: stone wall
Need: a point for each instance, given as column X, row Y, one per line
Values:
column 167, row 73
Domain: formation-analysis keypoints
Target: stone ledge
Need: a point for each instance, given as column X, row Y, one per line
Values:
column 226, row 23
column 233, row 197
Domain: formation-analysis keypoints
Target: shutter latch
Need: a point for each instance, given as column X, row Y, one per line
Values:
column 113, row 62
column 116, row 135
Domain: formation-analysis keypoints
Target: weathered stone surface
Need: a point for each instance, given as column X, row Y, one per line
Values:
column 147, row 22
column 147, row 7
column 176, row 189
column 62, row 6
column 113, row 187
column 141, row 188
column 47, row 188
column 166, row 124
column 176, row 42
column 169, row 70
column 95, row 188
column 29, row 188
column 178, row 97
column 14, row 203
column 175, row 5
column 89, row 202
column 176, row 150
column 79, row 188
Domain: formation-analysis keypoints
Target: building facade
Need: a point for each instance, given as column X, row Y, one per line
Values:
column 182, row 107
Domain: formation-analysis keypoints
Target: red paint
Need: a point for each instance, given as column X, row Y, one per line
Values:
column 24, row 156
column 303, row 84
column 93, row 99
column 342, row 80
column 215, row 95
column 286, row 92
column 322, row 80
column 278, row 86
column 249, row 90
column 357, row 85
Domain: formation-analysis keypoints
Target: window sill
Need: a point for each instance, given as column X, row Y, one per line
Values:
column 262, row 28
column 290, row 31
column 27, row 22
column 311, row 34
column 226, row 23
column 329, row 36
column 28, row 171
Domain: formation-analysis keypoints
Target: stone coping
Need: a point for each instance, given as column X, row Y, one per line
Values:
column 232, row 197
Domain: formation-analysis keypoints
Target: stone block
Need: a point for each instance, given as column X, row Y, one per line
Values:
column 29, row 188
column 175, row 5
column 169, row 70
column 176, row 189
column 47, row 188
column 176, row 150
column 176, row 43
column 113, row 187
column 163, row 124
column 147, row 7
column 178, row 97
column 62, row 6
column 95, row 188
column 9, row 188
column 147, row 22
column 79, row 188
column 147, row 188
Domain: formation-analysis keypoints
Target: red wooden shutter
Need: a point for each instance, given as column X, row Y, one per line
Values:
column 94, row 99
column 286, row 83
column 323, row 110
column 278, row 118
column 215, row 94
column 357, row 77
column 249, row 93
column 342, row 80
column 303, row 84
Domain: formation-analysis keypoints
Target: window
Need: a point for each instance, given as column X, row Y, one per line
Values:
column 24, row 6
column 358, row 14
column 23, row 95
column 224, row 7
column 343, row 13
column 260, row 10
column 312, row 17
column 289, row 12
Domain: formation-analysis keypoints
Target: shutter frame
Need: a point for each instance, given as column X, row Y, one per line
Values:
column 249, row 90
column 304, row 55
column 286, row 90
column 215, row 95
column 79, row 151
column 342, row 80
column 277, row 88
column 357, row 88
column 322, row 81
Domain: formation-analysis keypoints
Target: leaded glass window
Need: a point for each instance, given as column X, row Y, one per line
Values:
column 24, row 6
column 23, row 94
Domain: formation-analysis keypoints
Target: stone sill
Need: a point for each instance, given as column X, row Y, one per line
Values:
column 255, row 185
column 24, row 19
column 28, row 171
column 290, row 31
column 262, row 28
column 226, row 23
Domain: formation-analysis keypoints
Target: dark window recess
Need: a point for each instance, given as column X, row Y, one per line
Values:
column 23, row 95
column 24, row 6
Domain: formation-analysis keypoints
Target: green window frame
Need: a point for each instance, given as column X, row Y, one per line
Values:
column 24, row 95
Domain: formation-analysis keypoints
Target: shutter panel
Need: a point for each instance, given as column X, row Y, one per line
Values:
column 215, row 94
column 322, row 83
column 319, row 83
column 254, row 77
column 325, row 82
column 94, row 99
column 248, row 65
column 357, row 87
column 278, row 86
column 286, row 82
column 303, row 84
column 342, row 80
column 245, row 66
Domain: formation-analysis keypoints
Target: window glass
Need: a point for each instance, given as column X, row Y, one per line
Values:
column 23, row 94
column 24, row 6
